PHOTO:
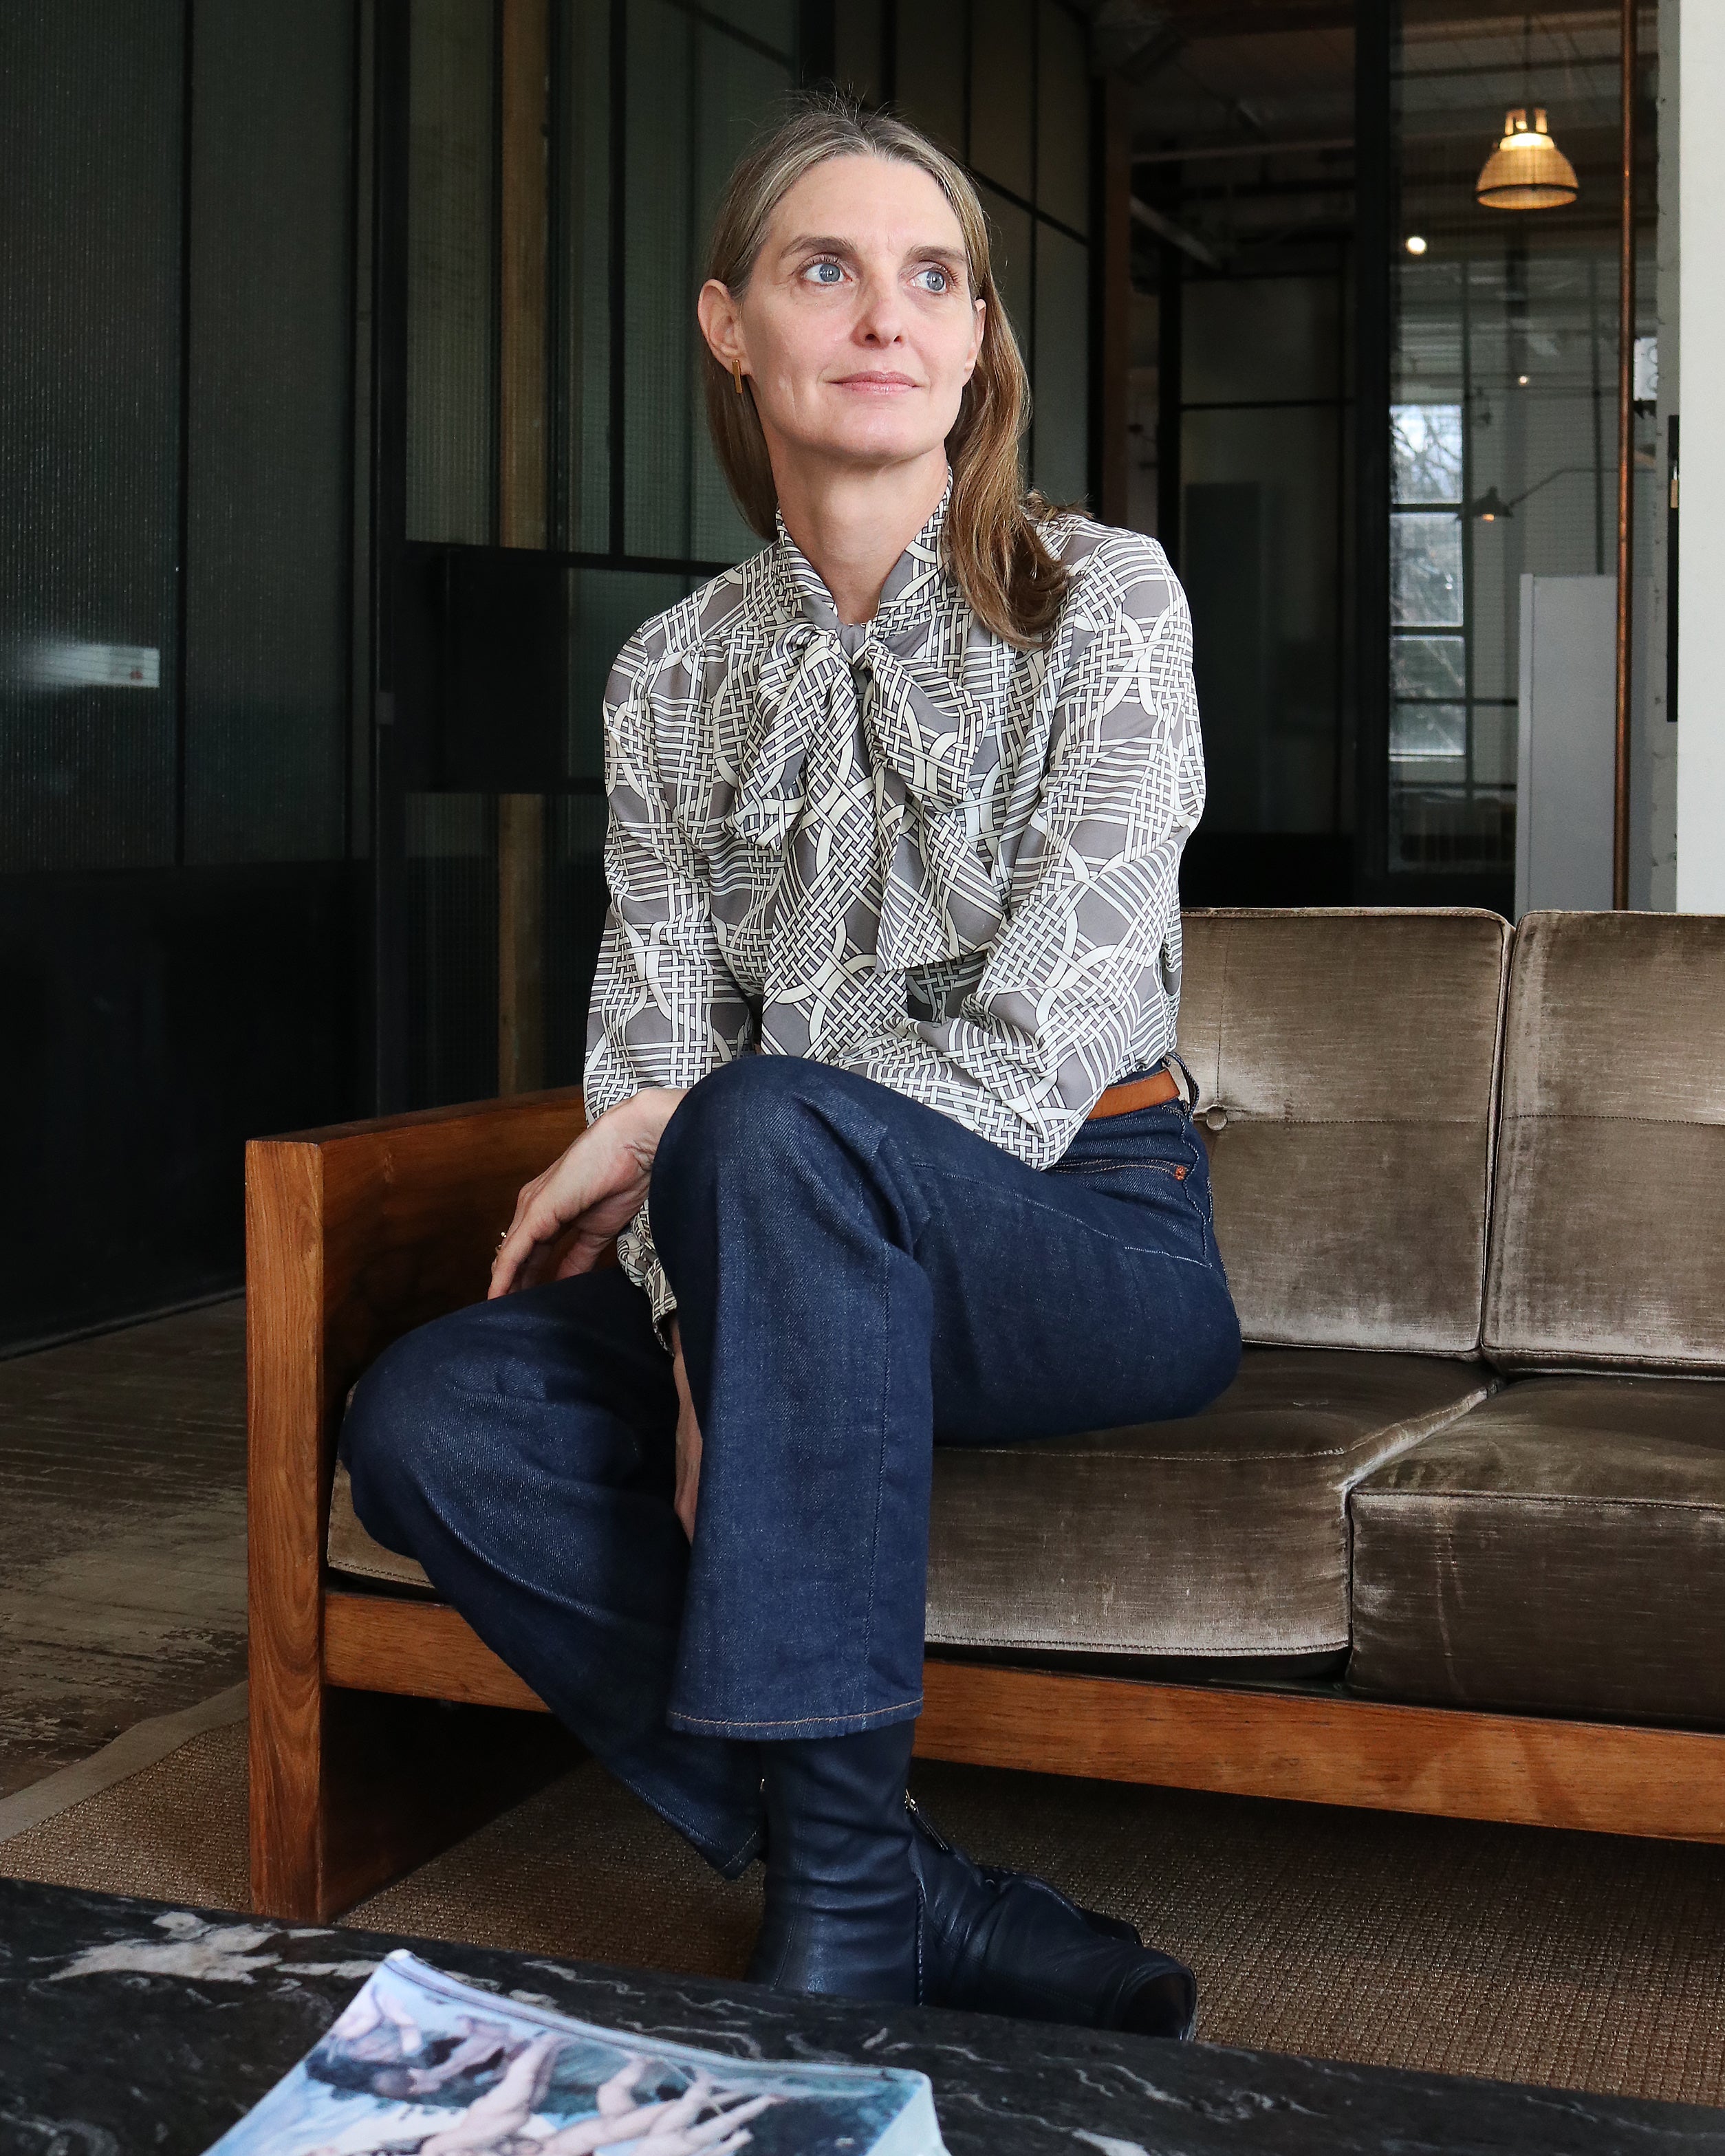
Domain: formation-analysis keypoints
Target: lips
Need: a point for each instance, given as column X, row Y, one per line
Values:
column 873, row 382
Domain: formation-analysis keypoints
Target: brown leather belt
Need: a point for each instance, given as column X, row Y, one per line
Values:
column 1136, row 1093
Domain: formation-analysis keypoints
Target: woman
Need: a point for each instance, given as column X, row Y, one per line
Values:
column 882, row 1109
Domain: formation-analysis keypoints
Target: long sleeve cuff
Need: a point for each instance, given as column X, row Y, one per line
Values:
column 640, row 1261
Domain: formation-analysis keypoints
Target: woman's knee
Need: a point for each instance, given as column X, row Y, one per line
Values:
column 755, row 1107
column 400, row 1428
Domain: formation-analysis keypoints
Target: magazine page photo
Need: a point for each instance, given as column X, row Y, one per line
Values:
column 421, row 2065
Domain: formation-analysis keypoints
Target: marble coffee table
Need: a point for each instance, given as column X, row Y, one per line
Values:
column 127, row 2029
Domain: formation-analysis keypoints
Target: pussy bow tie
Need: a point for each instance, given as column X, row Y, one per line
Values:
column 921, row 738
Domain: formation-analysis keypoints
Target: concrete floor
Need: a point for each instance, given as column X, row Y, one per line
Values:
column 122, row 1533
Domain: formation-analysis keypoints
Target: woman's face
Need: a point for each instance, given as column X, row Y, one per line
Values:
column 857, row 329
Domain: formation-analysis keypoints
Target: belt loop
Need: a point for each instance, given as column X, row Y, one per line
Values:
column 1174, row 1057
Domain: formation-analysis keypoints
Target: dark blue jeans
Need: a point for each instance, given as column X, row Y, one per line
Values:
column 858, row 1278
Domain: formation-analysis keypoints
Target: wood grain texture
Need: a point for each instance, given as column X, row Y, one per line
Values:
column 354, row 1236
column 376, row 1643
column 413, row 1210
column 1304, row 1748
column 287, row 1498
column 1598, row 1777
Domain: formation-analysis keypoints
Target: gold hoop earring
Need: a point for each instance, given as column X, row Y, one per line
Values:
column 736, row 375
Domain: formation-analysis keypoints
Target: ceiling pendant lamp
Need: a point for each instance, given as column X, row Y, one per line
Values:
column 1526, row 170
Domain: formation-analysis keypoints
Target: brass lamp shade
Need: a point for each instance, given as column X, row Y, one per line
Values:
column 1526, row 170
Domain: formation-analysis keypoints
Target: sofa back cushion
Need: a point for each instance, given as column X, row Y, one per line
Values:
column 1346, row 1063
column 1607, row 1250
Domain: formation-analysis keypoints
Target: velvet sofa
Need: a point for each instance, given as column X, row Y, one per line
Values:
column 1452, row 1542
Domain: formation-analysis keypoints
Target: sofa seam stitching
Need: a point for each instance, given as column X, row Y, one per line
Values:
column 1536, row 1497
column 1137, row 1647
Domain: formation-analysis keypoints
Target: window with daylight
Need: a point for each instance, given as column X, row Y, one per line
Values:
column 1503, row 385
column 1428, row 614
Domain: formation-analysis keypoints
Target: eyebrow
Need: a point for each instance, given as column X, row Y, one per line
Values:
column 815, row 242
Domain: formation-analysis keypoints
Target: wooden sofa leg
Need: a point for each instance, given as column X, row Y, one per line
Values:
column 381, row 1786
column 285, row 1799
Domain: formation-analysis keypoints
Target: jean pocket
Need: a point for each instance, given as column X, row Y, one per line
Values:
column 1105, row 1164
column 1168, row 1196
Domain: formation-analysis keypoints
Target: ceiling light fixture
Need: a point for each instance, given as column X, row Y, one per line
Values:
column 1414, row 244
column 1526, row 170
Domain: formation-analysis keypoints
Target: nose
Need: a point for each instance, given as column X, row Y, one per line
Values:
column 880, row 318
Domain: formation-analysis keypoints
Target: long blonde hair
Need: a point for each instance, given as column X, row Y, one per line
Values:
column 994, row 547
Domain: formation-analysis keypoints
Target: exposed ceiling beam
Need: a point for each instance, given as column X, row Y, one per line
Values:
column 1177, row 235
column 1235, row 18
column 1132, row 38
column 1208, row 151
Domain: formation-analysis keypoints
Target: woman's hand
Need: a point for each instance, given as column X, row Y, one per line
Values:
column 595, row 1189
column 688, row 1438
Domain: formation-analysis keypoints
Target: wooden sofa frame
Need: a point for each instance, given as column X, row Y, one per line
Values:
column 382, row 1729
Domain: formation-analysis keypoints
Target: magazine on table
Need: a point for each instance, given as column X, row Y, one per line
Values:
column 421, row 2065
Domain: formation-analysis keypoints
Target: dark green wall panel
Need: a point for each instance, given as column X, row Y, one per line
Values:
column 90, row 153
column 176, row 369
column 267, row 457
column 154, row 1024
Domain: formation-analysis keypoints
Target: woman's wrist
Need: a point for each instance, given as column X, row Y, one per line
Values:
column 638, row 1122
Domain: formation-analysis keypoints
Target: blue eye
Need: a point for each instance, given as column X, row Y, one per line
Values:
column 824, row 273
column 934, row 279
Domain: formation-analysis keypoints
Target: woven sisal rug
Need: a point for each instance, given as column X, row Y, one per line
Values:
column 1567, row 1959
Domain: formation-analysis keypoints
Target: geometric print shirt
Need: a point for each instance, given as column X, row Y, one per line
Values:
column 906, row 848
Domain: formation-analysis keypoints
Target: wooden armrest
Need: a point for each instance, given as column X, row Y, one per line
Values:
column 357, row 1234
column 354, row 1235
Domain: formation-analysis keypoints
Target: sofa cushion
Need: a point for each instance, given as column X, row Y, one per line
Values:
column 353, row 1551
column 1225, row 1534
column 1346, row 1064
column 1560, row 1549
column 1606, row 1247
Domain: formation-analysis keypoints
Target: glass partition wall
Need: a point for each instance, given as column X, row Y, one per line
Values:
column 1364, row 404
column 1502, row 395
column 562, row 159
column 1243, row 419
column 555, row 167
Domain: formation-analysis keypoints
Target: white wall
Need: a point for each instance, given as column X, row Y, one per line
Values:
column 1700, row 567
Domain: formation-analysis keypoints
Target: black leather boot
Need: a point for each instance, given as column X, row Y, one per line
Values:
column 842, row 1914
column 1000, row 1941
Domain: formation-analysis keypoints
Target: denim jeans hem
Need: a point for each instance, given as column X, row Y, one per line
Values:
column 734, row 1865
column 811, row 1725
column 730, row 1863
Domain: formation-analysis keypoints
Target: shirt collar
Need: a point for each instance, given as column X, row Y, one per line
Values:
column 908, row 598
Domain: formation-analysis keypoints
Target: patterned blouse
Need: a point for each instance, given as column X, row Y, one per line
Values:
column 907, row 848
